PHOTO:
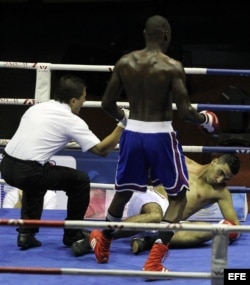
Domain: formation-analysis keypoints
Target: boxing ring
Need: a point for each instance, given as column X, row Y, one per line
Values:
column 204, row 265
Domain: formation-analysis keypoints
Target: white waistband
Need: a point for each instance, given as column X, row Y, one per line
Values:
column 149, row 127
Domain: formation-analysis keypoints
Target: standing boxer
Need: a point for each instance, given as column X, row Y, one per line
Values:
column 149, row 146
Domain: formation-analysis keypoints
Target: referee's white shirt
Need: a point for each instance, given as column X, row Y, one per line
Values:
column 45, row 129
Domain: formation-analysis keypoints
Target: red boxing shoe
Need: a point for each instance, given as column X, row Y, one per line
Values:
column 100, row 245
column 156, row 256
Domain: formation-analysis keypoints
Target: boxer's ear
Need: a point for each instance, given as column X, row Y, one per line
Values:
column 166, row 36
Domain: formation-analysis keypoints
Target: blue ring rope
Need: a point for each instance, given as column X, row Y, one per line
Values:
column 216, row 107
column 221, row 71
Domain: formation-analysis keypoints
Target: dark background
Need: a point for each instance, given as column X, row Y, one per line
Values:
column 204, row 34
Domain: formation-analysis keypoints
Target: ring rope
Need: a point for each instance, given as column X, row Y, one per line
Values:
column 186, row 148
column 109, row 68
column 232, row 189
column 221, row 149
column 68, row 224
column 97, row 104
column 106, row 272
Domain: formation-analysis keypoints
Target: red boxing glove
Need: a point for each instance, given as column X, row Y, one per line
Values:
column 211, row 123
column 231, row 235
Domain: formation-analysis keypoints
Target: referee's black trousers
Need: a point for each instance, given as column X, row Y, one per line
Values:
column 35, row 179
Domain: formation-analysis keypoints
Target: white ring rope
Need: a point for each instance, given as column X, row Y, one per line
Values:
column 106, row 272
column 97, row 104
column 109, row 68
column 186, row 148
column 232, row 189
column 214, row 228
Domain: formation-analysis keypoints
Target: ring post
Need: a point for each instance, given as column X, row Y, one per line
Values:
column 43, row 82
column 219, row 257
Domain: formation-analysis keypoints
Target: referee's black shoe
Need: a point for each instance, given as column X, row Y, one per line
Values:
column 71, row 236
column 27, row 240
column 81, row 247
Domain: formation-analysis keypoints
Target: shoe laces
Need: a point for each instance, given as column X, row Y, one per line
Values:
column 159, row 252
column 105, row 243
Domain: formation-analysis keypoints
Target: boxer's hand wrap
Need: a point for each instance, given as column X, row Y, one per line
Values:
column 122, row 123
